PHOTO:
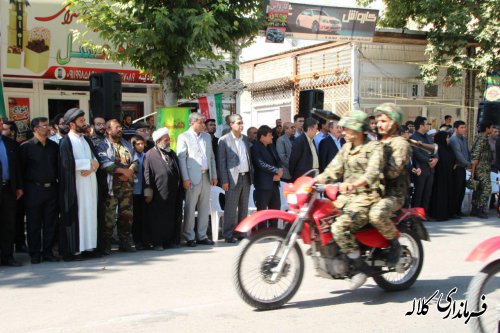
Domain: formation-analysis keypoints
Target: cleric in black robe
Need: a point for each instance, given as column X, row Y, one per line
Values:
column 69, row 233
column 163, row 193
column 440, row 207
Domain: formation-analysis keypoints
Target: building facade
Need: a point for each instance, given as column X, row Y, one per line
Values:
column 357, row 75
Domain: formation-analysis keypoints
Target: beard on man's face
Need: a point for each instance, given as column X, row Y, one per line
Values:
column 63, row 129
column 82, row 129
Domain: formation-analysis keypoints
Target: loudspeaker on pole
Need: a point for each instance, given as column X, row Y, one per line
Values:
column 106, row 95
column 310, row 99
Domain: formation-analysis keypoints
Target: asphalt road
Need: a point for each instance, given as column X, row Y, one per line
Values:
column 191, row 290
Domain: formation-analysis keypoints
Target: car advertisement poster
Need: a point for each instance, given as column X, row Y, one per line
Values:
column 277, row 17
column 320, row 22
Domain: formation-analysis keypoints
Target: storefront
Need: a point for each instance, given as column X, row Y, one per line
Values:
column 45, row 67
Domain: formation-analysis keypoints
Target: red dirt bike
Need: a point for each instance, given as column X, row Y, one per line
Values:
column 483, row 294
column 270, row 264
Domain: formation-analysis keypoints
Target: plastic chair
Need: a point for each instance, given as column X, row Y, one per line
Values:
column 251, row 203
column 494, row 185
column 284, row 203
column 216, row 212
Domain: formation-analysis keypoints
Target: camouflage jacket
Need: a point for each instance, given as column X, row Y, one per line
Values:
column 481, row 151
column 397, row 153
column 364, row 162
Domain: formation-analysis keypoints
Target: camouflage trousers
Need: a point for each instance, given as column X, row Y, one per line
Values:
column 355, row 210
column 119, row 208
column 481, row 196
column 381, row 213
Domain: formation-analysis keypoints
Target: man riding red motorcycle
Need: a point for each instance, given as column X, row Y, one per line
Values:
column 270, row 265
column 360, row 163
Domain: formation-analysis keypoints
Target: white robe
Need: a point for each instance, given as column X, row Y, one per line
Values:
column 86, row 190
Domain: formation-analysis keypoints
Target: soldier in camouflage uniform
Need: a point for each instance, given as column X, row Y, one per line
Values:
column 118, row 160
column 481, row 167
column 397, row 152
column 360, row 163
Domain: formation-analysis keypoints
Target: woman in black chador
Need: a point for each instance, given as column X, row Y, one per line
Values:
column 440, row 207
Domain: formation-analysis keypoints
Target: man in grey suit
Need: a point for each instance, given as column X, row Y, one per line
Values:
column 197, row 163
column 458, row 144
column 284, row 148
column 235, row 171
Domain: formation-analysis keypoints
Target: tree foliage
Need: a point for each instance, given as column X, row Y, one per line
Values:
column 452, row 26
column 168, row 38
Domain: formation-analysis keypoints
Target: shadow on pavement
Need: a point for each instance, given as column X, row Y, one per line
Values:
column 371, row 294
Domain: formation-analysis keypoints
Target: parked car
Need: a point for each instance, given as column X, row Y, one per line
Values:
column 318, row 21
column 275, row 35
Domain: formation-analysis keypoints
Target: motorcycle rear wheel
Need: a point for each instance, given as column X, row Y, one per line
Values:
column 252, row 270
column 485, row 283
column 412, row 258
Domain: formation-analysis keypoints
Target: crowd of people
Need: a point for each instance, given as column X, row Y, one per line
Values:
column 79, row 188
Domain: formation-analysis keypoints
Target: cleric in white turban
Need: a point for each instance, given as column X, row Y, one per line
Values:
column 163, row 193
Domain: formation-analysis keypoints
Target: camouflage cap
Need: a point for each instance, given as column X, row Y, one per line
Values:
column 356, row 120
column 392, row 111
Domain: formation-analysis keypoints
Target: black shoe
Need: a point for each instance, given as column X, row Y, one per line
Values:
column 21, row 248
column 230, row 240
column 36, row 260
column 158, row 248
column 91, row 254
column 106, row 248
column 126, row 247
column 461, row 214
column 394, row 252
column 11, row 262
column 73, row 257
column 49, row 257
column 455, row 217
column 139, row 246
column 191, row 243
column 205, row 241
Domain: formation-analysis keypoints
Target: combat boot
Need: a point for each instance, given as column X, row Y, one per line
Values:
column 481, row 214
column 394, row 252
column 360, row 278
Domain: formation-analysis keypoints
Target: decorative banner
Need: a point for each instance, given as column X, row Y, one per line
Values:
column 322, row 23
column 19, row 112
column 176, row 120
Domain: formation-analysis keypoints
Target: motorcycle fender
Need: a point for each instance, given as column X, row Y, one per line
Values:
column 416, row 225
column 254, row 219
column 486, row 248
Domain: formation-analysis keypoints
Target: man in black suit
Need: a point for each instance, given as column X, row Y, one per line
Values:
column 10, row 191
column 267, row 170
column 330, row 146
column 304, row 156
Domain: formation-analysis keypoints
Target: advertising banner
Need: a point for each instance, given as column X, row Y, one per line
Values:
column 320, row 22
column 176, row 120
column 41, row 42
column 19, row 112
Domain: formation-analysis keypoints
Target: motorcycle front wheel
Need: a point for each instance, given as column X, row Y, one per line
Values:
column 409, row 266
column 484, row 289
column 253, row 270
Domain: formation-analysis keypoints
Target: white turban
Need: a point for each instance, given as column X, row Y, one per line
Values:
column 159, row 133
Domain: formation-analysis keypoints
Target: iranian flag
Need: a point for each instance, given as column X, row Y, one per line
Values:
column 211, row 107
